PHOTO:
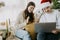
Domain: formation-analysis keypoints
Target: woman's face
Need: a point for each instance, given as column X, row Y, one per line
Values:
column 47, row 9
column 31, row 9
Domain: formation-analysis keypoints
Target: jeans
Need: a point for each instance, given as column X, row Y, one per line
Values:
column 41, row 36
column 23, row 34
column 47, row 36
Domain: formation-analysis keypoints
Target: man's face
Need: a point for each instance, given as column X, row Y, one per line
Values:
column 47, row 9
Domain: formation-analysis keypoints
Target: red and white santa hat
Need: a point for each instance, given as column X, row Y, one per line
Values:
column 45, row 3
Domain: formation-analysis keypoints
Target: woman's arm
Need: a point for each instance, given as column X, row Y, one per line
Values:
column 21, row 22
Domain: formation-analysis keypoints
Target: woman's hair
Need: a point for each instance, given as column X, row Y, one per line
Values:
column 31, row 15
column 30, row 4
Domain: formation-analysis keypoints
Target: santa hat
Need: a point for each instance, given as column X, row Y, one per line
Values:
column 45, row 3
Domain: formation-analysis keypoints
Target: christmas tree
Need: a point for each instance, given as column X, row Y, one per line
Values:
column 56, row 4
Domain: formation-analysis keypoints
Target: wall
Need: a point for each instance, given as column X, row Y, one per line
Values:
column 11, row 9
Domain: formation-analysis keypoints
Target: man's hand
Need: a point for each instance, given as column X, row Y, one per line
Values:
column 55, row 31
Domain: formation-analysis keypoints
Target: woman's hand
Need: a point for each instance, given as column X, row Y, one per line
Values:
column 55, row 31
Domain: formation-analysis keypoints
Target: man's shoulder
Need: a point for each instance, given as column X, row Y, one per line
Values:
column 56, row 11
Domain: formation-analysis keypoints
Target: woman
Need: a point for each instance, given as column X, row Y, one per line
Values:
column 26, row 17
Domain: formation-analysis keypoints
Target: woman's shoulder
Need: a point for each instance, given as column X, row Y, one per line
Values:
column 21, row 13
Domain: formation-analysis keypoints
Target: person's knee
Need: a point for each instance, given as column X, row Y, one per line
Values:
column 40, row 33
column 21, row 33
column 26, row 32
column 26, row 36
column 41, row 36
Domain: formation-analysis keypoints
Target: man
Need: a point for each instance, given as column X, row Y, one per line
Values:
column 49, row 15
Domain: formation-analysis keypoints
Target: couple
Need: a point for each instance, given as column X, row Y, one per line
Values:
column 27, row 16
